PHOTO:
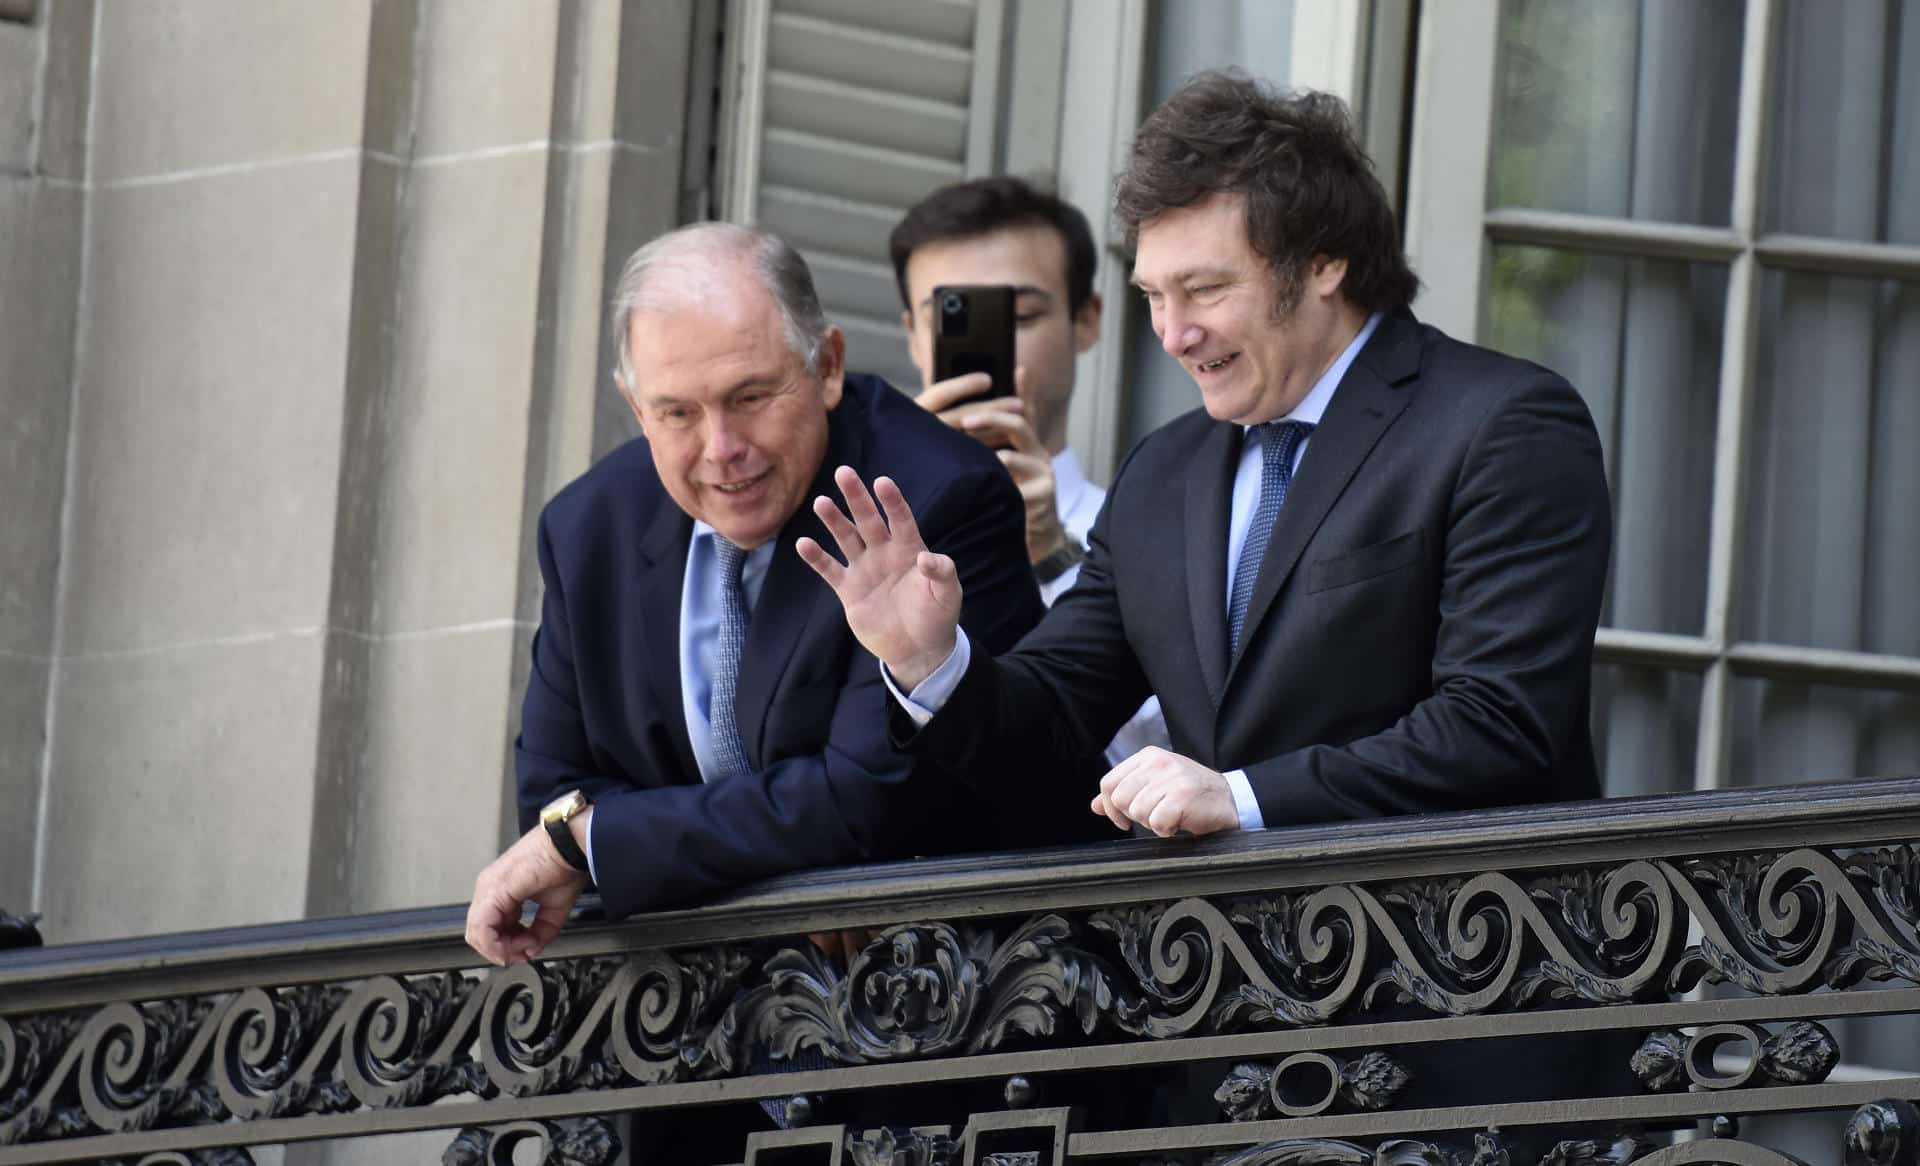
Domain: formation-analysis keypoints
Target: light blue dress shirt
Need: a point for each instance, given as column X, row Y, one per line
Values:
column 700, row 639
column 932, row 693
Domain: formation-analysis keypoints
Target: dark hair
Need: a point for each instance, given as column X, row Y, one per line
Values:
column 967, row 210
column 1310, row 188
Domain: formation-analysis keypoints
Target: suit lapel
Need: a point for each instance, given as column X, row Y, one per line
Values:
column 663, row 551
column 1368, row 400
column 1209, row 502
column 792, row 596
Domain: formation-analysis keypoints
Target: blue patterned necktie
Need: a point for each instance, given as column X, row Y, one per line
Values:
column 731, row 757
column 728, row 753
column 1278, row 441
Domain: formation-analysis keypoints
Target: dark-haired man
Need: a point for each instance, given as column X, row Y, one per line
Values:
column 1363, row 579
column 1001, row 230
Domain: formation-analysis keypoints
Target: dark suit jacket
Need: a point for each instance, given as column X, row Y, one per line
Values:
column 1421, row 633
column 603, row 709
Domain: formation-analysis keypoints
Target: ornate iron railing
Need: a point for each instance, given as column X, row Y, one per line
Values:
column 1348, row 995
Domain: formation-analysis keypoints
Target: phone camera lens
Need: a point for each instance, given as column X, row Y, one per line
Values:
column 952, row 304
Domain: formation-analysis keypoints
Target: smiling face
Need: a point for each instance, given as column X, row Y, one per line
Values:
column 737, row 423
column 1217, row 309
column 1047, row 334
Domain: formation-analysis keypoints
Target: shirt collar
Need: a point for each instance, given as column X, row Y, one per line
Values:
column 1313, row 406
column 702, row 530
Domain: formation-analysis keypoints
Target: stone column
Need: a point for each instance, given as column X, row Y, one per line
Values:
column 44, row 55
column 340, row 305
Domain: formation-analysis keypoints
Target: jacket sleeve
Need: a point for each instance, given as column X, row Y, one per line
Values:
column 1529, row 531
column 1053, row 702
column 858, row 798
column 552, row 754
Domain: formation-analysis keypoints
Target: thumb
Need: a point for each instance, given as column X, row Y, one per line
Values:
column 938, row 570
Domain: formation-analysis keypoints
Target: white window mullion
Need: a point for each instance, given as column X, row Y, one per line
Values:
column 1604, row 235
column 1447, row 166
column 1103, row 88
column 983, row 100
column 1330, row 49
column 743, row 88
column 1741, row 339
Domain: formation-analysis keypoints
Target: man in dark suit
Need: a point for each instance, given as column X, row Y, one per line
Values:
column 1363, row 579
column 1389, row 546
column 698, row 714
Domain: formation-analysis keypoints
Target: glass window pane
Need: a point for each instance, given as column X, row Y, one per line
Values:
column 1646, row 722
column 1640, row 340
column 1785, row 732
column 1182, row 39
column 1846, row 121
column 1832, row 547
column 1626, row 110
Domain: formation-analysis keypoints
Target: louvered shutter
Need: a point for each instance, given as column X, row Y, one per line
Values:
column 837, row 115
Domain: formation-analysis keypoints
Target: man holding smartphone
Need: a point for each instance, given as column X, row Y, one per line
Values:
column 1002, row 231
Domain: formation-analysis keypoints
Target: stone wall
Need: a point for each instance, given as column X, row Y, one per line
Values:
column 301, row 314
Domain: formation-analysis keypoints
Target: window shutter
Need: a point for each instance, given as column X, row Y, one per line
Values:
column 837, row 115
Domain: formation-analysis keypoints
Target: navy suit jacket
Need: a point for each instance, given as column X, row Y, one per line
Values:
column 604, row 713
column 1421, row 632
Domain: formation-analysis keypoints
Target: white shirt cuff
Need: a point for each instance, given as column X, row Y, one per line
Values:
column 1244, row 803
column 1059, row 585
column 930, row 695
column 590, row 869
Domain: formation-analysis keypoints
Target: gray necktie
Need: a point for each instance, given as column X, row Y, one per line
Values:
column 1278, row 441
column 728, row 753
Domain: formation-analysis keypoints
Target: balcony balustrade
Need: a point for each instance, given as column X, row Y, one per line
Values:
column 1346, row 995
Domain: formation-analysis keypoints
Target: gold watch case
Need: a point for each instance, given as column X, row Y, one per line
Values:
column 562, row 809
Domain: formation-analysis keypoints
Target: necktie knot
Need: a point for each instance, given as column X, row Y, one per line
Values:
column 1279, row 441
column 731, row 559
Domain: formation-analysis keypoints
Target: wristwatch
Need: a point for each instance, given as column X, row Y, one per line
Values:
column 1060, row 560
column 555, row 815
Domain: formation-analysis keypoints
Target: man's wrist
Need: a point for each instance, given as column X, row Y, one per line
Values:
column 563, row 820
column 1045, row 540
column 910, row 675
column 1063, row 558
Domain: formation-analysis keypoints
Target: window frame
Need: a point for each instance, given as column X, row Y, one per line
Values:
column 1450, row 230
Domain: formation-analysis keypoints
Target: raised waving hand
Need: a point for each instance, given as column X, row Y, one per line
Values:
column 902, row 600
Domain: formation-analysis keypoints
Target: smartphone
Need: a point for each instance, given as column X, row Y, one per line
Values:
column 973, row 332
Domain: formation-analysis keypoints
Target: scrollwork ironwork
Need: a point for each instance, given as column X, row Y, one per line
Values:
column 1333, row 1152
column 927, row 990
column 586, row 1141
column 1802, row 1053
column 1489, row 1149
column 1780, row 923
column 919, row 1146
column 1306, row 1084
column 1882, row 1133
column 226, row 1156
column 1718, row 1152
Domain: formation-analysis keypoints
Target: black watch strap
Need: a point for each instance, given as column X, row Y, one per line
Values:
column 569, row 849
column 555, row 816
column 1062, row 559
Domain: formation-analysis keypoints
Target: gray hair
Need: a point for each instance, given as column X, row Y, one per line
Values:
column 686, row 266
